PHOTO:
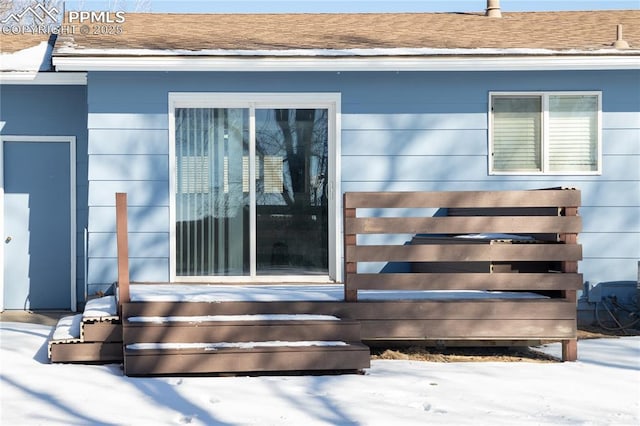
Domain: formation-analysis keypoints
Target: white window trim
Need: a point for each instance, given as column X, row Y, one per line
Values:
column 71, row 140
column 330, row 101
column 545, row 134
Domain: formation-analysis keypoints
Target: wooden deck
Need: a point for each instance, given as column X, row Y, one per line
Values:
column 537, row 234
column 436, row 258
column 414, row 320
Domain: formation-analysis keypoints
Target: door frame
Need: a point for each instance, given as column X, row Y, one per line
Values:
column 71, row 140
column 331, row 102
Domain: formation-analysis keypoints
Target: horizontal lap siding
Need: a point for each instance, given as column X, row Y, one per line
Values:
column 470, row 168
column 128, row 152
column 402, row 142
column 141, row 245
column 105, row 270
column 436, row 151
column 400, row 131
column 139, row 192
column 129, row 141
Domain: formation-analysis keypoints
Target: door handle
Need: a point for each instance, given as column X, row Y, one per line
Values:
column 7, row 240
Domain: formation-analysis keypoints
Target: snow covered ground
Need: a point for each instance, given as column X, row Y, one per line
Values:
column 602, row 388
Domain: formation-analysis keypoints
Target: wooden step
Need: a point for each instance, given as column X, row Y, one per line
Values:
column 85, row 352
column 101, row 331
column 349, row 357
column 166, row 309
column 98, row 340
column 194, row 338
column 241, row 331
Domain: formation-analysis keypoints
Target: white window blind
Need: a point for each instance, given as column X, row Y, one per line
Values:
column 194, row 174
column 573, row 135
column 273, row 174
column 517, row 133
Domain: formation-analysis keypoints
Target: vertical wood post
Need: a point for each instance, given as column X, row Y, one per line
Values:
column 123, row 249
column 570, row 347
column 350, row 294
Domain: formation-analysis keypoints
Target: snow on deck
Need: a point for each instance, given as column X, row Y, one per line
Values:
column 233, row 345
column 252, row 317
column 299, row 293
column 68, row 328
column 101, row 307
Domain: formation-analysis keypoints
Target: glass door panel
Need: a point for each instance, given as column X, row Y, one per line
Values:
column 212, row 191
column 291, row 191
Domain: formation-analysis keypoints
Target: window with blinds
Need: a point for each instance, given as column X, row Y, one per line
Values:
column 554, row 133
column 573, row 133
column 517, row 133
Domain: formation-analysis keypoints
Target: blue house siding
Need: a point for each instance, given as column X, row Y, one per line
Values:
column 36, row 110
column 400, row 131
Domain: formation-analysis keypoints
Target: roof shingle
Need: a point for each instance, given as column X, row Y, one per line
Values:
column 561, row 31
column 10, row 43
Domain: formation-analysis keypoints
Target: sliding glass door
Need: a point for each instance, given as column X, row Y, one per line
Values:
column 212, row 191
column 251, row 191
column 291, row 191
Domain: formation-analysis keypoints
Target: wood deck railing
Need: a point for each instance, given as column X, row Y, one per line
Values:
column 122, row 242
column 433, row 259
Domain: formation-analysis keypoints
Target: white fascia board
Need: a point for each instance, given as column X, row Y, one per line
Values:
column 432, row 63
column 44, row 78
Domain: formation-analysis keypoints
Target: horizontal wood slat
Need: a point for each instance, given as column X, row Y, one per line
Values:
column 505, row 211
column 464, row 253
column 496, row 309
column 94, row 352
column 463, row 199
column 466, row 281
column 460, row 329
column 463, row 225
column 340, row 358
column 242, row 331
column 463, row 309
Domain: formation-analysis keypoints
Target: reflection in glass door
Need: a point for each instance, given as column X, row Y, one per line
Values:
column 291, row 191
column 228, row 225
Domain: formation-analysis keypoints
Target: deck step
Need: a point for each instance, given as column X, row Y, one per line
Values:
column 85, row 352
column 101, row 331
column 187, row 338
column 247, row 341
column 349, row 357
column 95, row 336
column 93, row 341
column 241, row 331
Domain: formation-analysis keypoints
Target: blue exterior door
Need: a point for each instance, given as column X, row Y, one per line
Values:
column 37, row 225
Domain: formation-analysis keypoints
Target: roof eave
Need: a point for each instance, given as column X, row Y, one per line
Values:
column 585, row 61
column 43, row 78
